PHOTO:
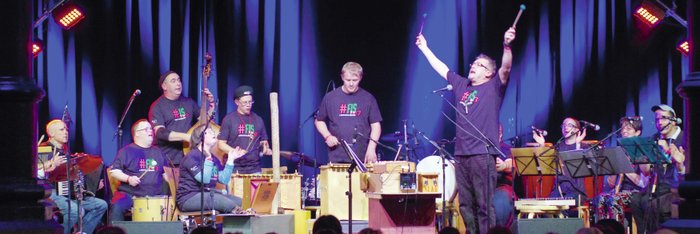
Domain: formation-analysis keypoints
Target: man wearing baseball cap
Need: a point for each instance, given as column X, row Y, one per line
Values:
column 245, row 129
column 650, row 213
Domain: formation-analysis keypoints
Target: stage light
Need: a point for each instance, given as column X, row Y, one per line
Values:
column 68, row 15
column 684, row 48
column 37, row 47
column 649, row 14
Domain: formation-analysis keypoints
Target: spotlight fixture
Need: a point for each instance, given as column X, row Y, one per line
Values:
column 68, row 15
column 684, row 47
column 649, row 14
column 37, row 47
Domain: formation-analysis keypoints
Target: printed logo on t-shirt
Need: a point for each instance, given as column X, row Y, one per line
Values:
column 247, row 130
column 148, row 165
column 469, row 98
column 180, row 114
column 349, row 110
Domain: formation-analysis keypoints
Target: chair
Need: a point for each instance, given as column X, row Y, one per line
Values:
column 189, row 219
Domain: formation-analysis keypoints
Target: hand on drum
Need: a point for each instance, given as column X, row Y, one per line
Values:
column 332, row 141
column 503, row 165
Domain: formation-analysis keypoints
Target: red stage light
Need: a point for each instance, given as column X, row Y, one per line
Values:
column 649, row 13
column 68, row 15
column 684, row 48
column 37, row 47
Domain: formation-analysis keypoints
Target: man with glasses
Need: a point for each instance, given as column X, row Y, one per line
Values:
column 479, row 97
column 246, row 130
column 173, row 114
column 345, row 112
column 654, row 207
column 139, row 168
column 573, row 140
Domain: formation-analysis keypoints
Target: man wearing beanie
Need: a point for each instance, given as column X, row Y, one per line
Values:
column 245, row 129
column 172, row 115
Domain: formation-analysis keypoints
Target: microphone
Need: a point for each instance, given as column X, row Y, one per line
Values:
column 415, row 133
column 540, row 131
column 593, row 126
column 446, row 88
column 136, row 93
column 634, row 118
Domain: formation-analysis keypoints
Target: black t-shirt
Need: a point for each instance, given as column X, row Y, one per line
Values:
column 189, row 167
column 146, row 163
column 242, row 131
column 346, row 113
column 481, row 104
column 176, row 115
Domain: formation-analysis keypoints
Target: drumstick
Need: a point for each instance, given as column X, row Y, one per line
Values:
column 142, row 174
column 425, row 15
column 40, row 139
column 522, row 8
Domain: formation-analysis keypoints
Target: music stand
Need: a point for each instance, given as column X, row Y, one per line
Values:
column 355, row 162
column 534, row 161
column 538, row 161
column 643, row 150
column 584, row 163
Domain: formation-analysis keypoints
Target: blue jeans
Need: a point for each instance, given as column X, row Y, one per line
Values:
column 222, row 202
column 94, row 209
column 503, row 205
column 121, row 203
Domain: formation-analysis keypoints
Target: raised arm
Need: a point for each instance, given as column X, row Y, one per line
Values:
column 435, row 62
column 507, row 60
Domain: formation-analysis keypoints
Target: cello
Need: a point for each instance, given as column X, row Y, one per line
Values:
column 203, row 115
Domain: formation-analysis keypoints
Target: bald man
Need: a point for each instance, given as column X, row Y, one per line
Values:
column 94, row 207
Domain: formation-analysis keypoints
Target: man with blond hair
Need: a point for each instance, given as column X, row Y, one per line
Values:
column 346, row 113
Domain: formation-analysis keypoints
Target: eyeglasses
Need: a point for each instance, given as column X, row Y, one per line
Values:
column 568, row 125
column 478, row 65
column 245, row 103
column 149, row 128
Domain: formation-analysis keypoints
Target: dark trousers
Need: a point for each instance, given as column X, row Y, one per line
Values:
column 476, row 182
column 649, row 214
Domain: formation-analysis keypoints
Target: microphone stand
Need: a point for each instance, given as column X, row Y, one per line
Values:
column 443, row 154
column 595, row 165
column 119, row 133
column 483, row 138
column 201, row 163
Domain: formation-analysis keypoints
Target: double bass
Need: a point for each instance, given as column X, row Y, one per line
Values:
column 203, row 115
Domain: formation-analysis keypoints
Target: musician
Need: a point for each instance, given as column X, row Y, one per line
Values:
column 654, row 207
column 244, row 129
column 189, row 195
column 345, row 112
column 94, row 207
column 618, row 192
column 139, row 168
column 573, row 134
column 173, row 114
column 479, row 98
